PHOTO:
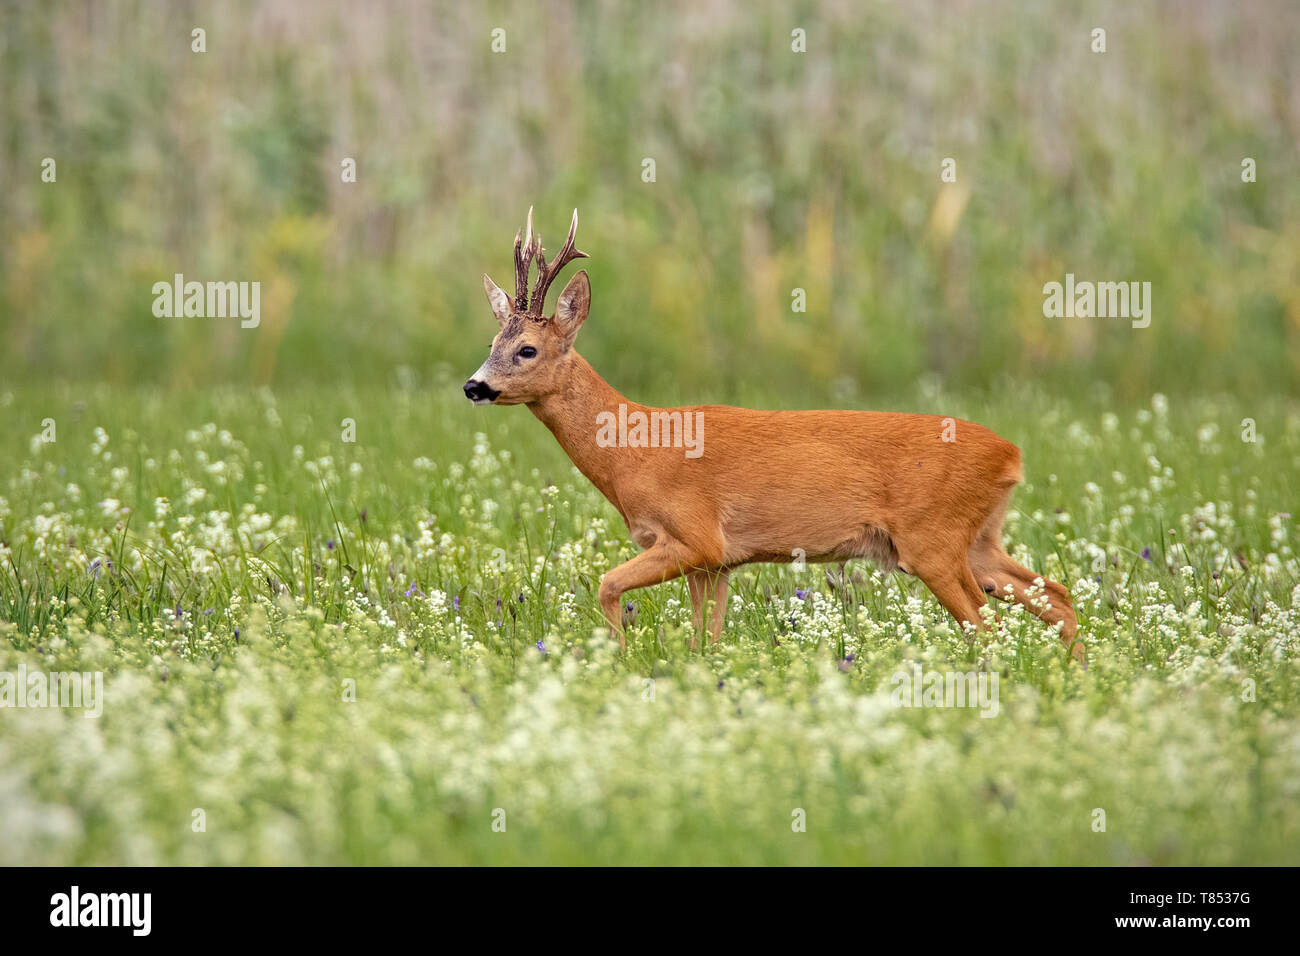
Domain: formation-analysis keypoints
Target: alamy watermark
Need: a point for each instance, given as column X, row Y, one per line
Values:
column 657, row 428
column 130, row 910
column 212, row 300
column 38, row 689
column 918, row 688
column 1102, row 300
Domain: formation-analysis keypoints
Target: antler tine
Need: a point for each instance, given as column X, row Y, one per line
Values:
column 547, row 273
column 523, row 258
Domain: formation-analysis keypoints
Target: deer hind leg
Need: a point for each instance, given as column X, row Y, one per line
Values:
column 999, row 575
column 938, row 558
column 665, row 560
column 955, row 586
column 708, row 594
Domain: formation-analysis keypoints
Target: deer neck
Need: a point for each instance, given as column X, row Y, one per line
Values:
column 571, row 413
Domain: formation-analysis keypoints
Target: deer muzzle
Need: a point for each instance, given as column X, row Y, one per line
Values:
column 480, row 393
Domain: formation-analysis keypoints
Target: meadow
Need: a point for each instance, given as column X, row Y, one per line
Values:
column 341, row 616
column 389, row 650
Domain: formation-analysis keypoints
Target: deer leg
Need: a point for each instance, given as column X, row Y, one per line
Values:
column 664, row 561
column 1003, row 578
column 997, row 574
column 697, row 582
column 955, row 587
column 720, row 582
column 708, row 595
column 939, row 559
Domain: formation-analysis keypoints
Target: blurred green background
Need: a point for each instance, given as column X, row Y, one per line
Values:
column 775, row 170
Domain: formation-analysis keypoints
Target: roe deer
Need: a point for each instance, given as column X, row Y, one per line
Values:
column 765, row 485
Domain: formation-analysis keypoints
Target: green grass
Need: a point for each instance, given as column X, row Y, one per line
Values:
column 287, row 566
column 232, row 567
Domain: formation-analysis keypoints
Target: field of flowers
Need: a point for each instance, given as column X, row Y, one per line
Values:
column 389, row 650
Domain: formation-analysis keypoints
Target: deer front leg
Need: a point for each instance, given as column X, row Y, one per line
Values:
column 663, row 561
column 708, row 592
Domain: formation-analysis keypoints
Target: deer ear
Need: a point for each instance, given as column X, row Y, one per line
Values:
column 571, row 308
column 499, row 301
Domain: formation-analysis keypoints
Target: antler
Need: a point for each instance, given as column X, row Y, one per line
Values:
column 546, row 274
column 523, row 258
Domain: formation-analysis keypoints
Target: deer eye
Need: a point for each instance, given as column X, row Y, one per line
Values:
column 527, row 352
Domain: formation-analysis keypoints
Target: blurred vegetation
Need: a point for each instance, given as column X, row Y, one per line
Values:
column 775, row 170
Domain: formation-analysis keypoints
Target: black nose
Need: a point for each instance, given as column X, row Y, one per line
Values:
column 474, row 390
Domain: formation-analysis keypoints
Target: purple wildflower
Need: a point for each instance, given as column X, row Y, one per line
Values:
column 455, row 603
column 1146, row 554
column 541, row 647
column 330, row 544
column 801, row 594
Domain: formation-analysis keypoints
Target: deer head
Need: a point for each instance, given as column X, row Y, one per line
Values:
column 531, row 352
